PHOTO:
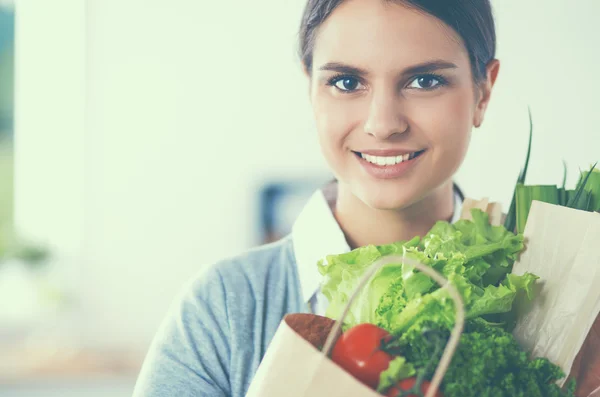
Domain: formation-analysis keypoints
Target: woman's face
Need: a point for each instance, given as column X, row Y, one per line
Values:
column 394, row 101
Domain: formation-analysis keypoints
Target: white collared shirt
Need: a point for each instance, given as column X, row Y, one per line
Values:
column 315, row 235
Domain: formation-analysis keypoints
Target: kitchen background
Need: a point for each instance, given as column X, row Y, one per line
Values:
column 143, row 140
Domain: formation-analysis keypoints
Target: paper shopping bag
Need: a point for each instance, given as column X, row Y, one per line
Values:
column 563, row 249
column 294, row 367
column 494, row 210
column 297, row 362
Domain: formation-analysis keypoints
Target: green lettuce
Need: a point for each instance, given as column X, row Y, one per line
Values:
column 477, row 259
column 342, row 273
column 474, row 256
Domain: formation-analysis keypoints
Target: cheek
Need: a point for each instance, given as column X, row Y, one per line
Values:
column 449, row 126
column 335, row 120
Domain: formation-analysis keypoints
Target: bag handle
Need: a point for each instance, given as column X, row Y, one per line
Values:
column 452, row 344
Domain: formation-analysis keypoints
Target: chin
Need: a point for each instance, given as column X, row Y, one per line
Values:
column 391, row 197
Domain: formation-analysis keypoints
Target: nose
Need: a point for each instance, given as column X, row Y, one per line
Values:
column 385, row 117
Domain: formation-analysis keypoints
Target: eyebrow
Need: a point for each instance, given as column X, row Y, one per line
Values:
column 425, row 67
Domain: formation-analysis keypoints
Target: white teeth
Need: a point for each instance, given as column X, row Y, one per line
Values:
column 380, row 160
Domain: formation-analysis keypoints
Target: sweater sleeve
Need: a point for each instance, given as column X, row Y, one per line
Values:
column 190, row 354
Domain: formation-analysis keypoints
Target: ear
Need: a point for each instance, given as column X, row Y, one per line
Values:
column 484, row 91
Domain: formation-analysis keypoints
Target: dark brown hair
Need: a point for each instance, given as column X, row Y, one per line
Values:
column 473, row 20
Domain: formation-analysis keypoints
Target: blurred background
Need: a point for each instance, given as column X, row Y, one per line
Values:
column 140, row 141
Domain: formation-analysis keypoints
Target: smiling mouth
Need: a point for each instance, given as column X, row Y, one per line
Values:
column 389, row 160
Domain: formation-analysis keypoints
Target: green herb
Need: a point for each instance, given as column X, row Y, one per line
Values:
column 580, row 200
column 526, row 194
column 399, row 369
column 586, row 196
column 477, row 259
column 488, row 362
column 588, row 186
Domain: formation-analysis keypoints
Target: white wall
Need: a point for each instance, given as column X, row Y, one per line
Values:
column 49, row 142
column 186, row 111
column 549, row 61
column 188, row 104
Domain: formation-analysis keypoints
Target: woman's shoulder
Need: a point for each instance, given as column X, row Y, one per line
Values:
column 258, row 261
column 246, row 271
column 215, row 317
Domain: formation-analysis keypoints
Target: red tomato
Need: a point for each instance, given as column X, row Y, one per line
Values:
column 358, row 351
column 408, row 384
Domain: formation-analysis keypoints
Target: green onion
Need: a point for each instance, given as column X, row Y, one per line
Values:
column 586, row 195
column 511, row 218
column 590, row 180
column 581, row 198
column 563, row 196
column 526, row 194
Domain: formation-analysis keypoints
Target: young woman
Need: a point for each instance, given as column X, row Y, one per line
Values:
column 396, row 88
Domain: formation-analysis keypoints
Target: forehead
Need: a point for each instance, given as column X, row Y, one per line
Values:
column 383, row 35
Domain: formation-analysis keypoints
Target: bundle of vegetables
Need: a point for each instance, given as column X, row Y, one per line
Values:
column 585, row 196
column 399, row 324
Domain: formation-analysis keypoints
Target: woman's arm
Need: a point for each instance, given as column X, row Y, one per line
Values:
column 189, row 356
column 586, row 368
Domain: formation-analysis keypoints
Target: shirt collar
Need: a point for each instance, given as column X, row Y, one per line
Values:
column 316, row 234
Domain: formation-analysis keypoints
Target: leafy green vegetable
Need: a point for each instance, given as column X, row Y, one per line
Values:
column 473, row 255
column 585, row 197
column 511, row 218
column 522, row 283
column 483, row 350
column 582, row 198
column 525, row 196
column 436, row 306
column 342, row 273
column 593, row 186
column 477, row 259
column 588, row 187
column 399, row 369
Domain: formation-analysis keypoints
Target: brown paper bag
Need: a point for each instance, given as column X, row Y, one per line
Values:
column 494, row 210
column 293, row 366
column 563, row 248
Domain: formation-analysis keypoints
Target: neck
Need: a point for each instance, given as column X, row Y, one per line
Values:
column 364, row 225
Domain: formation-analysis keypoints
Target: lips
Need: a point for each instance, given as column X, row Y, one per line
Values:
column 388, row 158
column 388, row 164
